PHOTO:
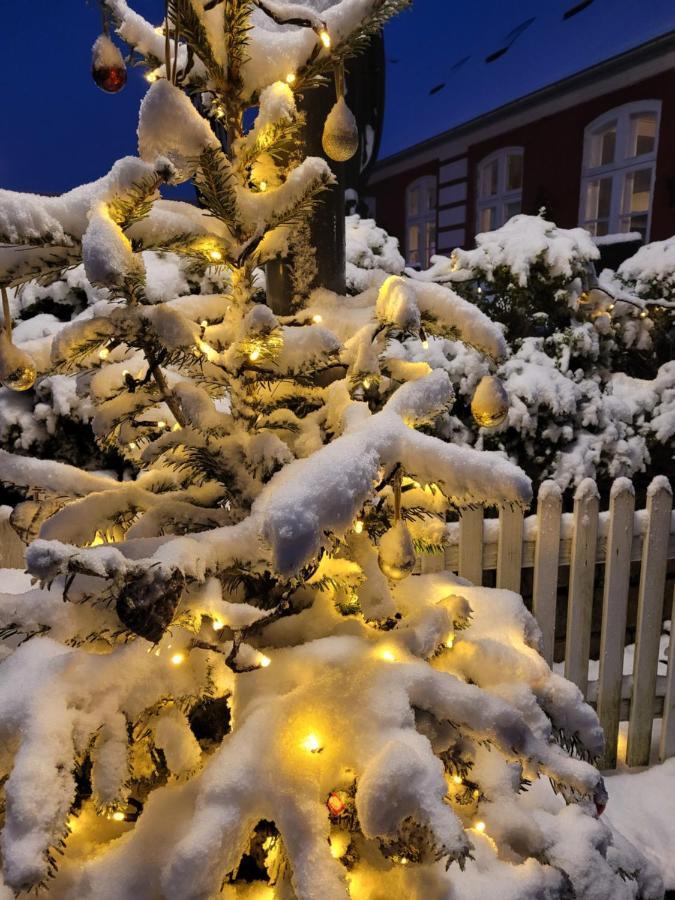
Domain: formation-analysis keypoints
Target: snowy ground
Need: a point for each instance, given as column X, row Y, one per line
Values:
column 642, row 801
column 642, row 807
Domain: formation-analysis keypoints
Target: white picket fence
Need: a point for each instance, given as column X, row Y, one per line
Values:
column 583, row 540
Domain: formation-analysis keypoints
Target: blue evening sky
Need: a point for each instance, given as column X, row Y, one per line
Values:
column 60, row 130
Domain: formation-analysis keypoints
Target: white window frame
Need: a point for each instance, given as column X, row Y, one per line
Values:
column 421, row 219
column 503, row 197
column 621, row 167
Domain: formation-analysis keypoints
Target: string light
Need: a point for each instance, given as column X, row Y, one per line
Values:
column 118, row 816
column 254, row 354
column 264, row 661
column 458, row 779
column 479, row 827
column 217, row 625
column 176, row 426
column 161, row 423
column 215, row 255
column 133, row 445
column 263, row 186
column 177, row 659
column 325, row 38
column 317, row 319
column 366, row 383
column 644, row 314
column 151, row 77
column 358, row 526
column 103, row 353
column 450, row 640
column 425, row 344
column 312, row 744
column 387, row 656
column 204, row 323
column 290, row 78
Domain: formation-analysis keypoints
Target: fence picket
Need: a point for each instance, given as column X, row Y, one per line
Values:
column 650, row 611
column 614, row 612
column 510, row 549
column 667, row 740
column 546, row 556
column 582, row 578
column 471, row 545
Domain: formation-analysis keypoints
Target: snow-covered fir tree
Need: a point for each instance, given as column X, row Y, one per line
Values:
column 589, row 372
column 246, row 692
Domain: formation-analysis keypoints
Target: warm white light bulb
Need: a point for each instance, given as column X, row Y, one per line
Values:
column 263, row 185
column 325, row 38
column 218, row 625
column 317, row 318
column 177, row 659
column 311, row 744
column 103, row 353
column 264, row 661
column 254, row 354
column 457, row 779
column 358, row 526
column 215, row 255
column 387, row 656
column 290, row 78
column 479, row 827
column 118, row 816
column 151, row 77
column 425, row 344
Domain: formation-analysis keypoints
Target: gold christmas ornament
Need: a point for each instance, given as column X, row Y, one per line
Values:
column 17, row 369
column 396, row 555
column 490, row 403
column 340, row 139
column 340, row 133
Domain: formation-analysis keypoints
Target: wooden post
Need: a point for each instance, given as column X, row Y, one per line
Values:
column 650, row 613
column 614, row 610
column 667, row 741
column 546, row 557
column 471, row 545
column 510, row 549
column 582, row 578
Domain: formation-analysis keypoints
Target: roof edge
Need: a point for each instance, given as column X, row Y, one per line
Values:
column 634, row 56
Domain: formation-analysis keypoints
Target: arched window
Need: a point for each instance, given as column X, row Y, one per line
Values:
column 617, row 182
column 500, row 188
column 420, row 221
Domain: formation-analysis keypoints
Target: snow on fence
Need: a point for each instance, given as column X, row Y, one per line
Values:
column 582, row 540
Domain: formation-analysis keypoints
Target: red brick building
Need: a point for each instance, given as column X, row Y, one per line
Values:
column 595, row 149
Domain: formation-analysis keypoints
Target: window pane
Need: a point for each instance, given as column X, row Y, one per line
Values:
column 601, row 227
column 489, row 179
column 514, row 171
column 414, row 201
column 430, row 241
column 642, row 134
column 603, row 146
column 487, row 218
column 430, row 197
column 637, row 191
column 511, row 209
column 638, row 223
column 598, row 198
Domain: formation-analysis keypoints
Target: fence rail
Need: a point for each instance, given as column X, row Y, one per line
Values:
column 583, row 540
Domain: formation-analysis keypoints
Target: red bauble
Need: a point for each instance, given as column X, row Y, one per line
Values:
column 107, row 66
column 336, row 805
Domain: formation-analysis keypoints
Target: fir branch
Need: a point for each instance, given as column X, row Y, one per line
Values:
column 214, row 184
column 193, row 32
column 136, row 204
